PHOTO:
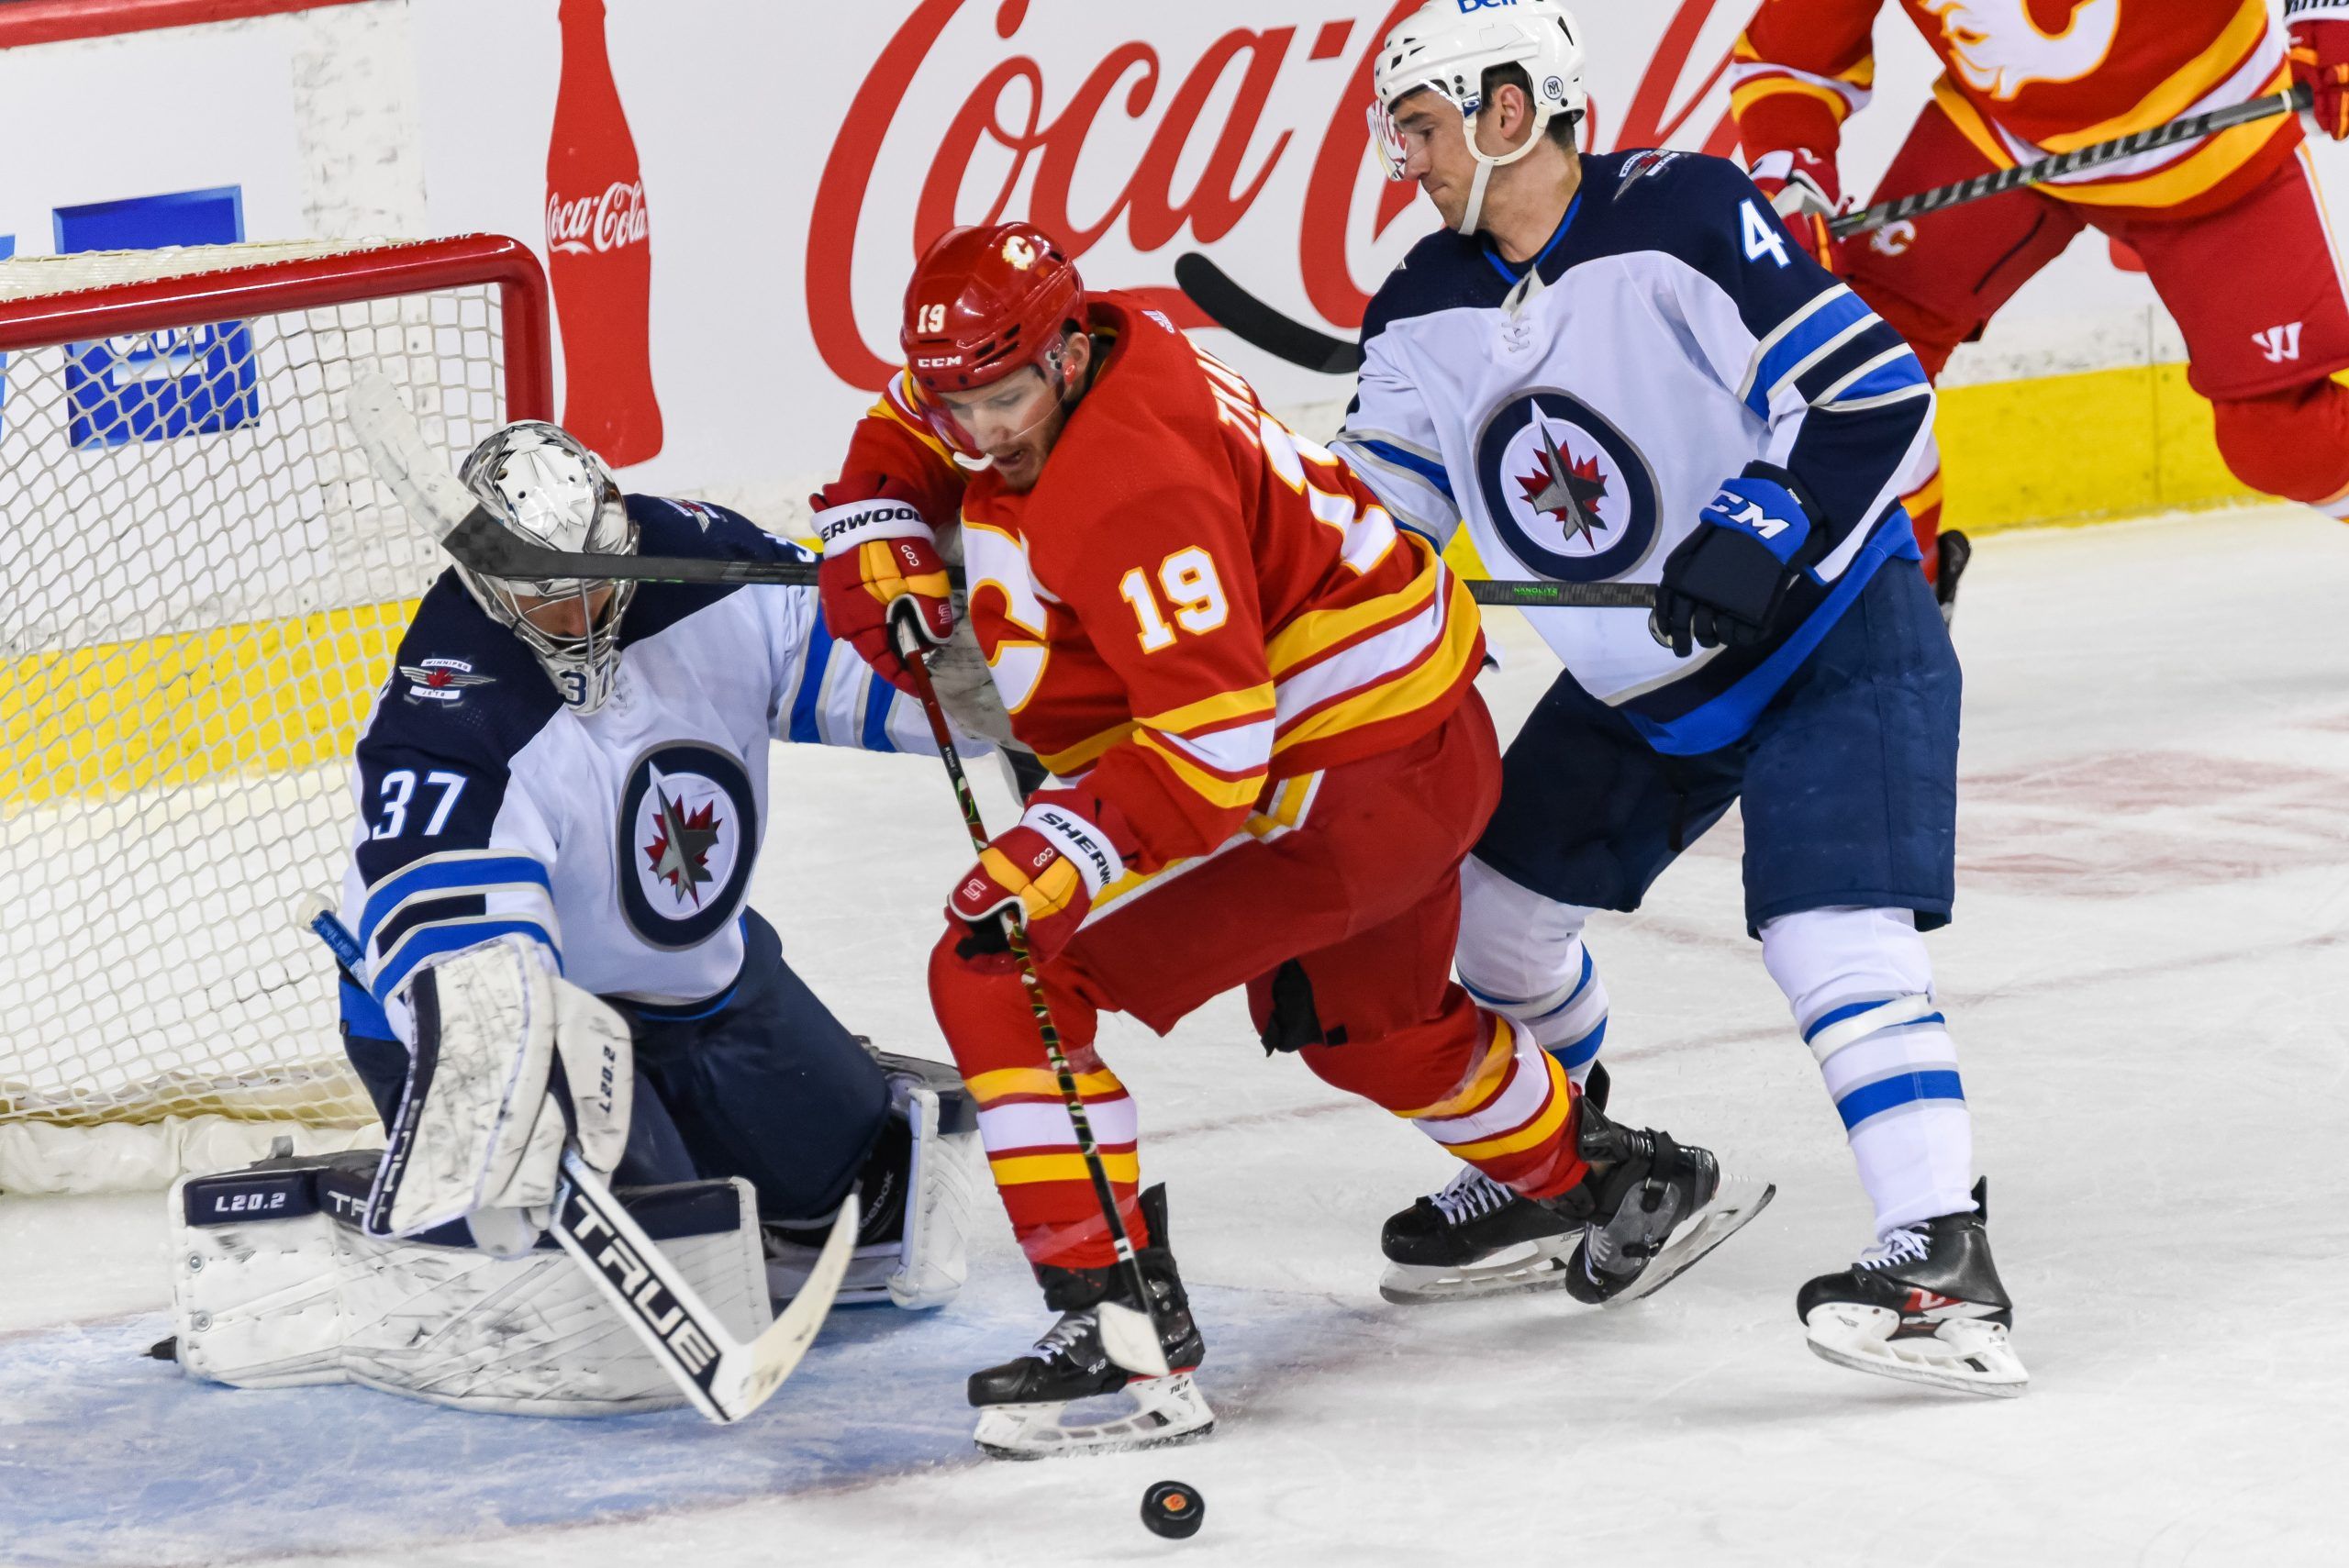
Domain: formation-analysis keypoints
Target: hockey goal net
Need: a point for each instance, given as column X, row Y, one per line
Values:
column 200, row 593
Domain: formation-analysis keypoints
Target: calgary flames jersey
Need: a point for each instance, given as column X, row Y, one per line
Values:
column 2026, row 78
column 1192, row 604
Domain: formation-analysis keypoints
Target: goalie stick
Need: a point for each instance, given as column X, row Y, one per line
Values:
column 1129, row 1333
column 419, row 477
column 725, row 1377
column 1254, row 322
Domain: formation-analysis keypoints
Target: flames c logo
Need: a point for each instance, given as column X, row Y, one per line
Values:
column 1018, row 252
column 1567, row 493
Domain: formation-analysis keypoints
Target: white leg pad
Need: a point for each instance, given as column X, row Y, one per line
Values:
column 273, row 1285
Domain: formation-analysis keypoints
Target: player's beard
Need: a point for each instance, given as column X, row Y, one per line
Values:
column 1020, row 463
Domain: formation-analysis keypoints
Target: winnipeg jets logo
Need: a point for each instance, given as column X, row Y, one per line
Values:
column 681, row 844
column 2280, row 343
column 1565, row 492
column 1999, row 47
column 688, row 832
column 1566, row 488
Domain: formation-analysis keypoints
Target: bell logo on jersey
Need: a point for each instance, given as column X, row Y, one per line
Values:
column 1567, row 493
column 688, row 833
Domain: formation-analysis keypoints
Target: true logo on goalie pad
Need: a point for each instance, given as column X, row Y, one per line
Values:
column 688, row 832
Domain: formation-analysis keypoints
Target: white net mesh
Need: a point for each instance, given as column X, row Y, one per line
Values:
column 200, row 595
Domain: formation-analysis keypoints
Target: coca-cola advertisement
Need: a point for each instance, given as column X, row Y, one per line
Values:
column 599, row 251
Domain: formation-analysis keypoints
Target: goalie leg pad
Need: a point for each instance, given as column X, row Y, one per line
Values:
column 920, row 1183
column 275, row 1284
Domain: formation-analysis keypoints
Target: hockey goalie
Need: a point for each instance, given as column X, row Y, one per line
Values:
column 559, row 796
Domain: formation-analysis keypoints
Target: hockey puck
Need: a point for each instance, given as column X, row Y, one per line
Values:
column 1173, row 1509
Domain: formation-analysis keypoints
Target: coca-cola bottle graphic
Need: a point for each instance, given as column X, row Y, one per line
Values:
column 599, row 252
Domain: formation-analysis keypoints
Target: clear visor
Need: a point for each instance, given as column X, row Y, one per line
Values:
column 1388, row 138
column 999, row 418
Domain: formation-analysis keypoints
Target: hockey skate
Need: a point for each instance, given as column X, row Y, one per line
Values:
column 1025, row 1406
column 1475, row 1238
column 1650, row 1209
column 1923, row 1305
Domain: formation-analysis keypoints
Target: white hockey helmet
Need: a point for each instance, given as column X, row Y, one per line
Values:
column 543, row 482
column 1446, row 46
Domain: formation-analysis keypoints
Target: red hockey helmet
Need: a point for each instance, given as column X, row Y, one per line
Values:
column 985, row 303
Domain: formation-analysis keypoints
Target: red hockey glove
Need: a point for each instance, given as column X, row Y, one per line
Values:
column 877, row 551
column 2318, row 35
column 1805, row 193
column 1069, row 846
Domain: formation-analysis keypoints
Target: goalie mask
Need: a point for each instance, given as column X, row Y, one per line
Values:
column 1446, row 48
column 542, row 482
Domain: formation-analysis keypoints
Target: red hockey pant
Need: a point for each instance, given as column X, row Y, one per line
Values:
column 2255, row 288
column 1337, row 908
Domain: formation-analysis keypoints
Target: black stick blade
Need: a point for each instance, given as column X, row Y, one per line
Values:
column 1254, row 322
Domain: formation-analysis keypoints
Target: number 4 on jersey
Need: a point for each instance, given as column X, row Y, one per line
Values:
column 1762, row 236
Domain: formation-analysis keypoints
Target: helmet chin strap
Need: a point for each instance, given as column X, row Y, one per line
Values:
column 1487, row 164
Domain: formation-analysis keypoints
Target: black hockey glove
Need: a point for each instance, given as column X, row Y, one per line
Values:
column 1725, row 582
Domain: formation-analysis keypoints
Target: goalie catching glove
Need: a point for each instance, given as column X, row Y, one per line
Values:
column 1050, row 868
column 877, row 551
column 510, row 1062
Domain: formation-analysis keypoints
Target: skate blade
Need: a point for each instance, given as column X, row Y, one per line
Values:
column 1962, row 1356
column 1735, row 1203
column 1167, row 1410
column 1543, row 1267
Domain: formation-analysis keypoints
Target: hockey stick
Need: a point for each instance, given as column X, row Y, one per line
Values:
column 1129, row 1334
column 1254, row 322
column 419, row 476
column 2189, row 127
column 725, row 1377
column 1258, row 324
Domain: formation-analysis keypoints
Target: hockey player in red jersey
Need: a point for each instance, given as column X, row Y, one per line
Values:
column 1255, row 695
column 2229, row 228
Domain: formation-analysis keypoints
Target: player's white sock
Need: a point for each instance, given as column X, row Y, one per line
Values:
column 1522, row 954
column 1861, row 986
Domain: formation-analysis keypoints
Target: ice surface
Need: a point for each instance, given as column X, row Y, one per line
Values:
column 2147, row 982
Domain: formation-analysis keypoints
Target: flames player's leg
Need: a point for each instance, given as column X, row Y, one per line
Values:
column 2257, row 289
column 1939, row 279
column 1024, row 1125
column 1851, row 809
column 1378, row 1014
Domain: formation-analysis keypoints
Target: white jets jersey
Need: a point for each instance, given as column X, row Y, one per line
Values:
column 1579, row 412
column 621, row 839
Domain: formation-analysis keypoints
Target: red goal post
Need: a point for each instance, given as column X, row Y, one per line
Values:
column 199, row 596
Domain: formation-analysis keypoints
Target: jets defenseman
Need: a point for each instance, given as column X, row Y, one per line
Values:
column 561, row 794
column 1620, row 369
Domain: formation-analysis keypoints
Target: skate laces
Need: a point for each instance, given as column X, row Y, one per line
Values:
column 1908, row 1244
column 1063, row 1338
column 1469, row 1196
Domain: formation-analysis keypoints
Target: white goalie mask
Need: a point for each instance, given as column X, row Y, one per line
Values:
column 1446, row 47
column 542, row 482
